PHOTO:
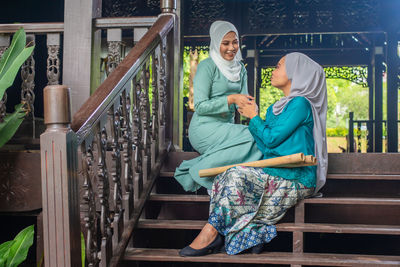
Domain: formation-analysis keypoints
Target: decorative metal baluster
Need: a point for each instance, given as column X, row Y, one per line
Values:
column 104, row 193
column 162, row 93
column 4, row 44
column 137, row 145
column 127, row 154
column 53, row 61
column 114, row 40
column 154, row 113
column 3, row 107
column 144, row 113
column 116, row 172
column 28, row 83
column 89, row 207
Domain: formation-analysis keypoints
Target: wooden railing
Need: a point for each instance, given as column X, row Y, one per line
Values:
column 53, row 31
column 362, row 135
column 98, row 170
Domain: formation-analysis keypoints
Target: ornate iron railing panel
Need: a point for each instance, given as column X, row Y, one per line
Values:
column 120, row 132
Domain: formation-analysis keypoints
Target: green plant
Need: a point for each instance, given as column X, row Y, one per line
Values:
column 13, row 252
column 336, row 132
column 10, row 63
column 83, row 250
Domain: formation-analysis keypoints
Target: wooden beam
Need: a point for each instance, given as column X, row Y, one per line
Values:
column 125, row 22
column 43, row 27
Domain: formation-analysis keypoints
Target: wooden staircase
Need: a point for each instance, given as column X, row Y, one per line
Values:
column 355, row 223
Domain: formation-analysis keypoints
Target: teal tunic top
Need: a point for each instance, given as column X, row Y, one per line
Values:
column 212, row 131
column 287, row 133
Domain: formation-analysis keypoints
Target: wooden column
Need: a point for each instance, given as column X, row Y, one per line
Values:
column 251, row 66
column 78, row 56
column 351, row 133
column 298, row 236
column 370, row 125
column 257, row 76
column 174, row 71
column 61, row 227
column 392, row 92
column 377, row 77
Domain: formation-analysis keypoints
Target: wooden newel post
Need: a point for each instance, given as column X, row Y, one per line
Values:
column 60, row 193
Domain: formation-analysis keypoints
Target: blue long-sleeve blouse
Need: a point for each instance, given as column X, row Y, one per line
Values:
column 287, row 133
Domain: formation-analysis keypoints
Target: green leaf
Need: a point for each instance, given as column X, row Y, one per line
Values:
column 83, row 249
column 17, row 45
column 11, row 123
column 4, row 251
column 8, row 75
column 5, row 246
column 19, row 250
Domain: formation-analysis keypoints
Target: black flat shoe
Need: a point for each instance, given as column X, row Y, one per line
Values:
column 214, row 247
column 257, row 249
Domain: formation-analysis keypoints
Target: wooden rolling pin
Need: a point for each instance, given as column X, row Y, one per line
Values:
column 289, row 161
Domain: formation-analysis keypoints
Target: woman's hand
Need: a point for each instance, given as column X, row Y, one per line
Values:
column 240, row 100
column 249, row 110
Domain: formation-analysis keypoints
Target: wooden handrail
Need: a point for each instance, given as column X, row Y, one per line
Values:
column 90, row 111
column 41, row 27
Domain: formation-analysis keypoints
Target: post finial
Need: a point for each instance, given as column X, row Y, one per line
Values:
column 168, row 6
column 57, row 108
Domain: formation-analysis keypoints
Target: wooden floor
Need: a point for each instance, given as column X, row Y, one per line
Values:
column 359, row 206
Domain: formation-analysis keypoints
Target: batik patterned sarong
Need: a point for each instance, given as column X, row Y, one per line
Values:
column 246, row 203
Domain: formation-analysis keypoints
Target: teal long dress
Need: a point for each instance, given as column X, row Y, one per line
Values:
column 212, row 131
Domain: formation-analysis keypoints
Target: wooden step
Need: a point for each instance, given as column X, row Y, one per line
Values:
column 333, row 176
column 322, row 200
column 310, row 259
column 283, row 227
column 353, row 201
column 179, row 198
column 345, row 176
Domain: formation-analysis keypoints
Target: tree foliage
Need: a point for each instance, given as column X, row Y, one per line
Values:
column 203, row 54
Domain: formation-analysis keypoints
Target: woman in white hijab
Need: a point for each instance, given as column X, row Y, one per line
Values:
column 247, row 202
column 220, row 86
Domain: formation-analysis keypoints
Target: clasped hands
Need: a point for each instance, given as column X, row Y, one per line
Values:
column 247, row 107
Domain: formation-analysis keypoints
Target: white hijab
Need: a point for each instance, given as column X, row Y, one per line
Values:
column 230, row 69
column 308, row 80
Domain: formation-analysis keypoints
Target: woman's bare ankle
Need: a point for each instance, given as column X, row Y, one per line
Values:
column 206, row 236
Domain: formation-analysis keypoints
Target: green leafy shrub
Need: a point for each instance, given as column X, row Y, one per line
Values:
column 336, row 132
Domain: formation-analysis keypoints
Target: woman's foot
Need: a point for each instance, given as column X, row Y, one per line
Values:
column 208, row 241
column 206, row 236
column 257, row 249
